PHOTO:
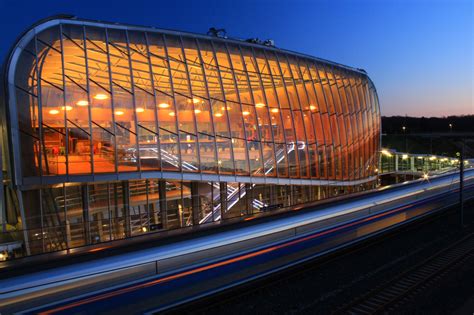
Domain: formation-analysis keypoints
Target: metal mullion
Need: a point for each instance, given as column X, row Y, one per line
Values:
column 40, row 114
column 350, row 124
column 370, row 117
column 101, row 86
column 333, row 128
column 352, row 114
column 227, row 113
column 204, row 74
column 255, row 113
column 147, row 188
column 89, row 101
column 241, row 109
column 364, row 113
column 291, row 113
column 280, row 113
column 359, row 121
column 325, row 69
column 78, row 127
column 65, row 217
column 112, row 98
column 328, row 114
column 176, row 118
column 343, row 120
column 190, row 90
column 109, row 210
column 301, row 110
column 66, row 144
column 310, row 113
column 268, row 112
column 155, row 111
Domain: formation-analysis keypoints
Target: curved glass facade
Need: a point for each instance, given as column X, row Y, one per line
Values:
column 104, row 118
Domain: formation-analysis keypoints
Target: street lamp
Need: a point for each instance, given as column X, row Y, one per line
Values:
column 405, row 134
column 450, row 127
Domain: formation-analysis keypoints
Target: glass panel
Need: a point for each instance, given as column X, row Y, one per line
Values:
column 77, row 115
column 99, row 101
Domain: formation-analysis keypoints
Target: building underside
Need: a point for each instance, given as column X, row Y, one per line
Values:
column 111, row 131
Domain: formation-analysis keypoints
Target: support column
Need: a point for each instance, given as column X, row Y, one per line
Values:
column 85, row 213
column 248, row 198
column 223, row 193
column 126, row 208
column 195, row 204
column 162, row 202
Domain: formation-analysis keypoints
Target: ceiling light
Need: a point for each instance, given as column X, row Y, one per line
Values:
column 171, row 114
column 245, row 113
column 67, row 107
column 195, row 100
column 312, row 107
column 197, row 111
column 140, row 110
column 101, row 96
column 274, row 110
column 163, row 105
column 259, row 105
column 218, row 115
column 119, row 112
column 54, row 112
column 82, row 103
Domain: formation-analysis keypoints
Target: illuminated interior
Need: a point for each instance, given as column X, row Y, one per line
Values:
column 107, row 115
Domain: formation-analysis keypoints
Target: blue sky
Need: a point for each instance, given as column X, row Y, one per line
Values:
column 419, row 53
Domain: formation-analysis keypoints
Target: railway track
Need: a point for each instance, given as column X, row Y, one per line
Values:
column 387, row 297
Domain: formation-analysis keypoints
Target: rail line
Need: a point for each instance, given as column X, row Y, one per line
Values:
column 388, row 296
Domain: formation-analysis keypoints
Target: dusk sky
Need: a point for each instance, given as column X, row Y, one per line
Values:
column 418, row 53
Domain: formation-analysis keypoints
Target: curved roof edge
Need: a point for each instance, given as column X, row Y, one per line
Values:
column 71, row 19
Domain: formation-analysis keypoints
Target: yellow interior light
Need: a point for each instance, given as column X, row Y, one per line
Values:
column 54, row 112
column 82, row 103
column 218, row 115
column 259, row 105
column 119, row 112
column 139, row 109
column 171, row 114
column 67, row 107
column 195, row 100
column 245, row 113
column 312, row 107
column 274, row 110
column 101, row 96
column 163, row 105
column 197, row 111
column 405, row 156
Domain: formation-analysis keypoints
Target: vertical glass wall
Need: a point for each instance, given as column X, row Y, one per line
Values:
column 102, row 100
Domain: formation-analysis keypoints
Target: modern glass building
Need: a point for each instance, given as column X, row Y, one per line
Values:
column 111, row 131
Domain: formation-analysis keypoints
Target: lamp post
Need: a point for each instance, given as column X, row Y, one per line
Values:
column 450, row 127
column 404, row 128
